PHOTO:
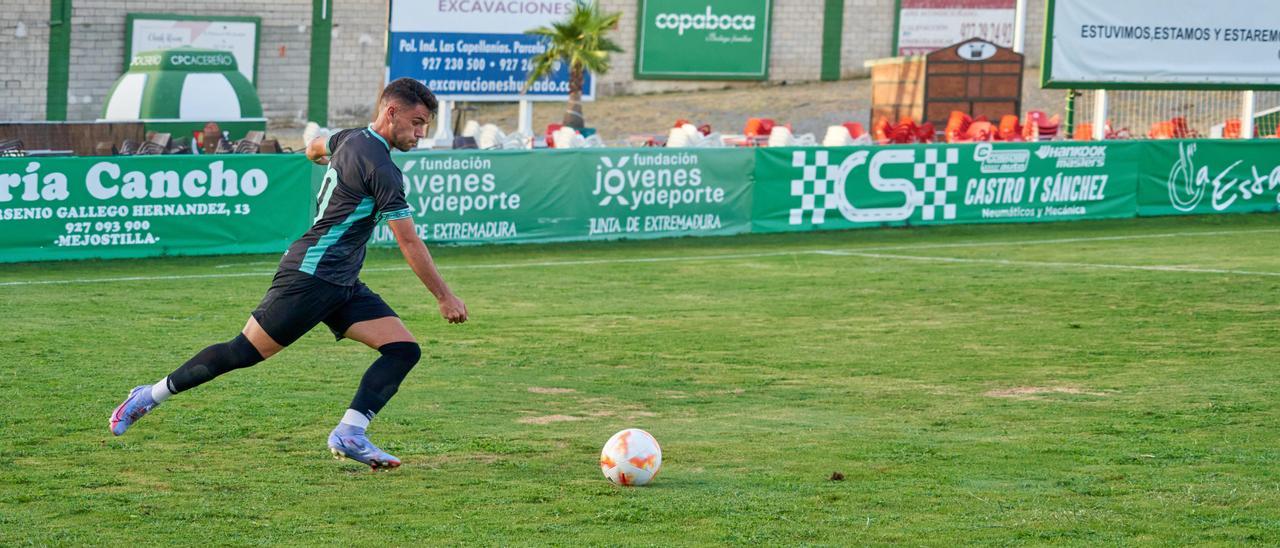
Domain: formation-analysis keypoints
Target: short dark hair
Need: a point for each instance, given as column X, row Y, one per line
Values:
column 409, row 92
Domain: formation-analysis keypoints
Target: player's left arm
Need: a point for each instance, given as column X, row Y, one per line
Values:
column 388, row 187
column 419, row 258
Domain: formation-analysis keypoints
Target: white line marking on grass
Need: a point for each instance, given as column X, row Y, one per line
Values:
column 1050, row 264
column 1001, row 243
column 254, row 263
column 136, row 278
column 677, row 258
column 674, row 258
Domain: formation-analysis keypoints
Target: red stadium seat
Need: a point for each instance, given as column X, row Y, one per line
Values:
column 956, row 127
column 1232, row 129
column 1010, row 129
column 1041, row 126
column 926, row 133
column 551, row 128
column 880, row 130
column 980, row 131
column 758, row 127
column 855, row 129
column 1180, row 128
column 1084, row 132
column 1161, row 130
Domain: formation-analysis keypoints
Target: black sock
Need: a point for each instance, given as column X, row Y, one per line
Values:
column 213, row 361
column 382, row 380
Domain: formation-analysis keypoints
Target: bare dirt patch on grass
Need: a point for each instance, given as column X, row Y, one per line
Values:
column 1034, row 391
column 546, row 390
column 548, row 419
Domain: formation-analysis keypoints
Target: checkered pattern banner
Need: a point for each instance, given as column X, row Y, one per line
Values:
column 816, row 187
column 938, row 179
column 850, row 187
column 822, row 186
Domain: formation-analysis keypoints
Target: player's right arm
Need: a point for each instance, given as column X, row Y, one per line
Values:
column 419, row 259
column 318, row 150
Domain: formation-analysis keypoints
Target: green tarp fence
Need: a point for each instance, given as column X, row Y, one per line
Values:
column 114, row 207
column 74, row 208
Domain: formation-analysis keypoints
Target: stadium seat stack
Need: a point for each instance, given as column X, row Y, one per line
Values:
column 1083, row 132
column 567, row 137
column 1174, row 128
column 980, row 131
column 957, row 126
column 488, row 136
column 906, row 131
column 1232, row 129
column 686, row 135
column 551, row 130
column 471, row 129
column 781, row 136
column 758, row 127
column 1009, row 130
column 848, row 134
column 491, row 137
column 1041, row 127
column 855, row 129
column 758, row 130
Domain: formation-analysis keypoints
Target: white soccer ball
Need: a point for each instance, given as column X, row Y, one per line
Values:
column 631, row 457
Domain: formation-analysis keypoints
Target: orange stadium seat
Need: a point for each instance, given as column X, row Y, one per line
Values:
column 1010, row 129
column 855, row 129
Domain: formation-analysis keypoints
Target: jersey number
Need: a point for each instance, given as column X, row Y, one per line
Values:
column 326, row 192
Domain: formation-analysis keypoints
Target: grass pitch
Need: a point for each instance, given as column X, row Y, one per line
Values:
column 1081, row 383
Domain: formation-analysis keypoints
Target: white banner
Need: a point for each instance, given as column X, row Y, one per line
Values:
column 1163, row 43
column 925, row 26
column 476, row 16
column 236, row 35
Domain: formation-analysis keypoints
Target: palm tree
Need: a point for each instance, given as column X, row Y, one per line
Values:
column 580, row 41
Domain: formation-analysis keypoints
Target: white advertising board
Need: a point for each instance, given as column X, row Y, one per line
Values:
column 1163, row 44
column 238, row 35
column 925, row 26
column 477, row 50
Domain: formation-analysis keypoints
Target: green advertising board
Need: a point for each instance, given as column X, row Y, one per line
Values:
column 146, row 206
column 703, row 39
column 1199, row 177
column 570, row 195
column 837, row 188
column 116, row 207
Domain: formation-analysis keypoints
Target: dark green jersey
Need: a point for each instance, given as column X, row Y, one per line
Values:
column 361, row 188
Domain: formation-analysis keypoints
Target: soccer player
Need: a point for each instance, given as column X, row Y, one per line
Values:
column 317, row 280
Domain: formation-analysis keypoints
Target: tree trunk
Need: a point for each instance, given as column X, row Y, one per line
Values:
column 573, row 113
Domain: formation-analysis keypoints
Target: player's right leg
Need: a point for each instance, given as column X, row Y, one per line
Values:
column 368, row 319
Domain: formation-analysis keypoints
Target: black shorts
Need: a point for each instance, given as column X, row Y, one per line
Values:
column 297, row 301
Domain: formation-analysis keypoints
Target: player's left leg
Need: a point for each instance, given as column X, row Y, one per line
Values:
column 293, row 304
column 238, row 353
column 369, row 320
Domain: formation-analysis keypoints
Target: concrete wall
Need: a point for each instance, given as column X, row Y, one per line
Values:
column 1035, row 32
column 358, row 51
column 868, row 34
column 24, row 60
column 357, row 60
